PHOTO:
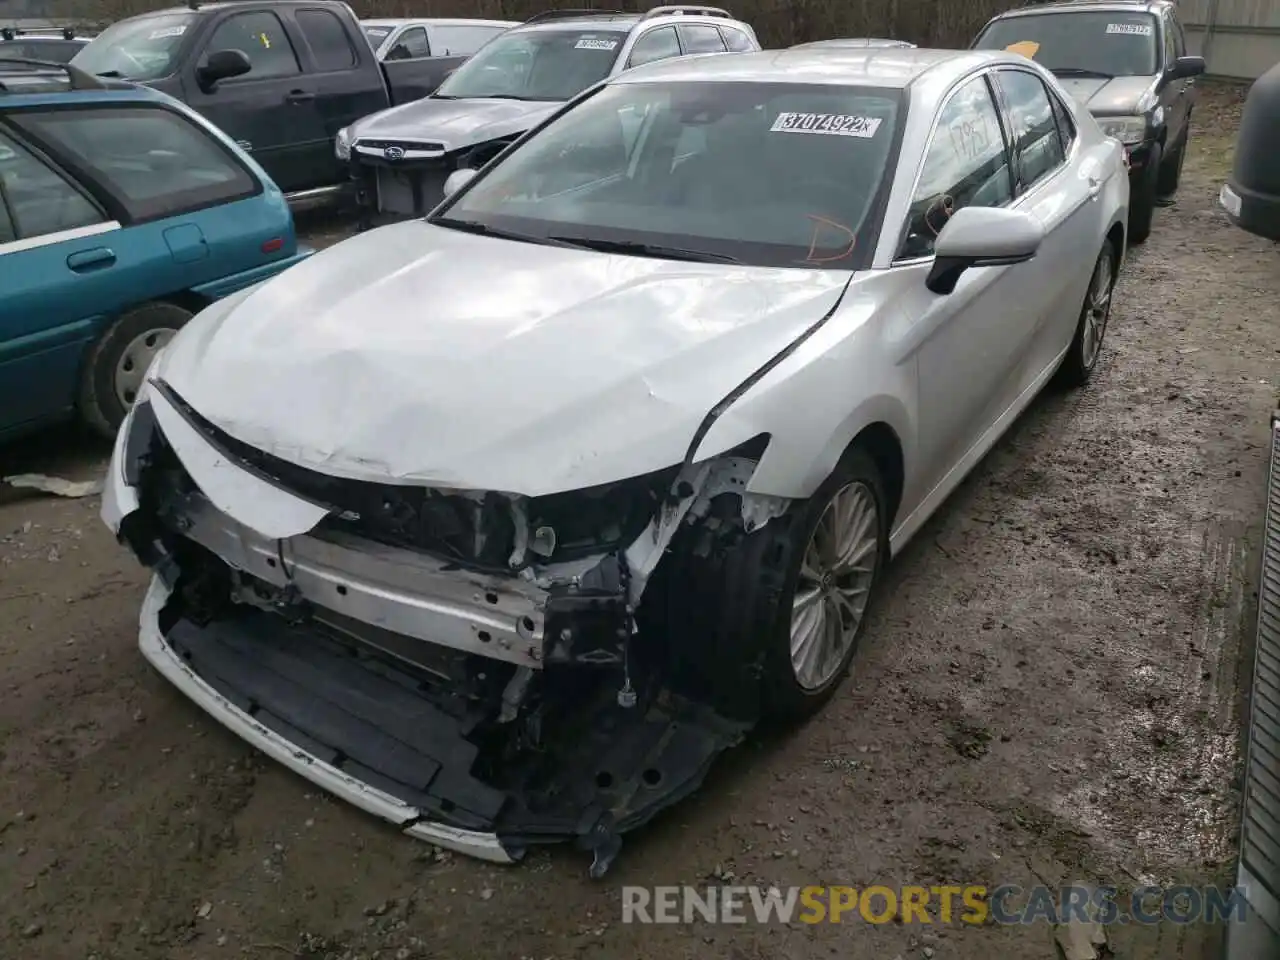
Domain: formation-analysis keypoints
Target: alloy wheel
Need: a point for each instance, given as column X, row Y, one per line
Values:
column 834, row 586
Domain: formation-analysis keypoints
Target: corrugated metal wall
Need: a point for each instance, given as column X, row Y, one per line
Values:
column 1238, row 38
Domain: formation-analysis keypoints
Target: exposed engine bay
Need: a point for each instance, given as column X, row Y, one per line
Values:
column 536, row 669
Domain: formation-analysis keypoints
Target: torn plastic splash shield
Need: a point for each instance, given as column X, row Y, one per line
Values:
column 376, row 732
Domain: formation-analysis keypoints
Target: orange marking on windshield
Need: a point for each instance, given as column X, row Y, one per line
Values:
column 818, row 223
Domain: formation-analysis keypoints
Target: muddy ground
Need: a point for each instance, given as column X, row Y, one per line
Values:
column 1051, row 690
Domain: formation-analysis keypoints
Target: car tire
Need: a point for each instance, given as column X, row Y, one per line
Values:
column 117, row 362
column 729, row 595
column 1171, row 170
column 855, row 489
column 1142, row 202
column 1095, row 313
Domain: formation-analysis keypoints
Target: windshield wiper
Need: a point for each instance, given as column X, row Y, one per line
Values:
column 1081, row 72
column 112, row 74
column 646, row 249
column 475, row 226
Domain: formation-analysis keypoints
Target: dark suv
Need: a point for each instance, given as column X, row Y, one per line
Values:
column 1125, row 61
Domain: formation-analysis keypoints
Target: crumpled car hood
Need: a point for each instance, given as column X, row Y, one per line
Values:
column 454, row 123
column 1107, row 97
column 419, row 354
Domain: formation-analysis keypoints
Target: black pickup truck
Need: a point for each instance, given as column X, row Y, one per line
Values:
column 281, row 77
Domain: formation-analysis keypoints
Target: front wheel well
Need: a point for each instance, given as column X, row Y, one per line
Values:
column 880, row 442
column 1116, row 237
column 188, row 300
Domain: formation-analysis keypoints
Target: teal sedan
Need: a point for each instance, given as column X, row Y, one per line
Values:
column 122, row 214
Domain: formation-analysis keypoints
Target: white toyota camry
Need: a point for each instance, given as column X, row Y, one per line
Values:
column 504, row 523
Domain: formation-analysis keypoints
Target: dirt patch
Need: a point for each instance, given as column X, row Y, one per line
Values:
column 1049, row 691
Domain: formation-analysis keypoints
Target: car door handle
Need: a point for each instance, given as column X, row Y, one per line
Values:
column 299, row 96
column 86, row 261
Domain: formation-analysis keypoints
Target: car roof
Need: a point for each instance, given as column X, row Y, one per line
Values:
column 438, row 22
column 852, row 43
column 1073, row 6
column 30, row 85
column 625, row 22
column 222, row 5
column 839, row 66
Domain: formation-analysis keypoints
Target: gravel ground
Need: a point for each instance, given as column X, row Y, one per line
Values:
column 1051, row 690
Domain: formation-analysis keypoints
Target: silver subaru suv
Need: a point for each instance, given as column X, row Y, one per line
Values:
column 399, row 158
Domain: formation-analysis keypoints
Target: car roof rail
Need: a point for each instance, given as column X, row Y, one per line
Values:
column 681, row 9
column 78, row 79
column 12, row 33
column 573, row 14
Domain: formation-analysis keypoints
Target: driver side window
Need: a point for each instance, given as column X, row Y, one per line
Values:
column 1170, row 42
column 966, row 165
column 259, row 36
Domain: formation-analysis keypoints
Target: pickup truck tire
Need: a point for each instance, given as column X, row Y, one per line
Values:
column 1171, row 169
column 116, row 363
column 1142, row 198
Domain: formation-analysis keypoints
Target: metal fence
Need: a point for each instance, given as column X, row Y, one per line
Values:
column 1238, row 38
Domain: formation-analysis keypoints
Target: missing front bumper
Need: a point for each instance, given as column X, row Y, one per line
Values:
column 367, row 728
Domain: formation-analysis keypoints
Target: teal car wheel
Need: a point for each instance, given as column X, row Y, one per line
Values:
column 118, row 362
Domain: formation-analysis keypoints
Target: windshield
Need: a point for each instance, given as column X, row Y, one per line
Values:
column 376, row 35
column 785, row 175
column 550, row 65
column 1106, row 43
column 140, row 49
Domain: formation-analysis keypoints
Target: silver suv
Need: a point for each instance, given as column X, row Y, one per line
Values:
column 401, row 157
column 1126, row 62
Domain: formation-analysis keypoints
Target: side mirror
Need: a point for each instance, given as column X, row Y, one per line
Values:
column 222, row 65
column 457, row 180
column 982, row 237
column 1185, row 67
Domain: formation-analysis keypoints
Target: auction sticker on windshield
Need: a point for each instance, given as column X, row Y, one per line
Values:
column 1026, row 48
column 1130, row 29
column 594, row 43
column 828, row 124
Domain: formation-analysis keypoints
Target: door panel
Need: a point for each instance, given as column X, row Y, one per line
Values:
column 271, row 111
column 965, row 341
column 347, row 81
column 1050, row 288
column 54, row 299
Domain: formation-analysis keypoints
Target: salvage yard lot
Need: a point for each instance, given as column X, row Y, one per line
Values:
column 1050, row 691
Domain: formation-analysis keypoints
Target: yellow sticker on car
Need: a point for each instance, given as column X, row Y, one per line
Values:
column 1027, row 48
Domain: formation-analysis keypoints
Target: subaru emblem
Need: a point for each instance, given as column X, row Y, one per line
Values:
column 393, row 153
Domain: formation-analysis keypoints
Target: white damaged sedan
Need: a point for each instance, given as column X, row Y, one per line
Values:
column 503, row 524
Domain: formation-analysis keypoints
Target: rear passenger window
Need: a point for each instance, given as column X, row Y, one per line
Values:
column 1066, row 126
column 1038, row 151
column 735, row 40
column 260, row 37
column 36, row 200
column 327, row 39
column 7, row 231
column 700, row 38
column 410, row 45
column 154, row 161
column 659, row 44
column 966, row 166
